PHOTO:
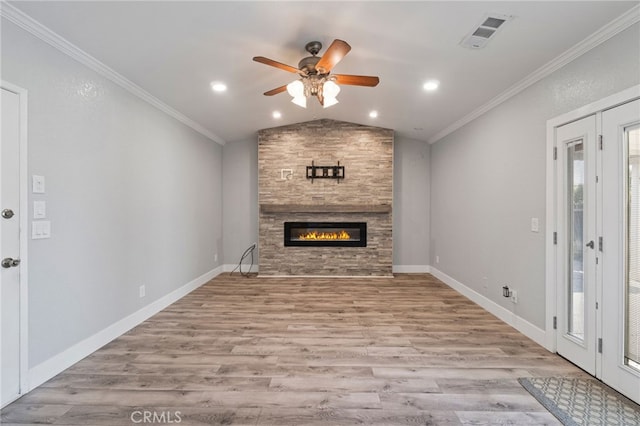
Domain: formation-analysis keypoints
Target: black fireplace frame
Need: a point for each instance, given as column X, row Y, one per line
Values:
column 288, row 242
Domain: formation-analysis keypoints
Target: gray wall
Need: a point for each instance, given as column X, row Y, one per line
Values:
column 410, row 200
column 240, row 199
column 488, row 178
column 134, row 197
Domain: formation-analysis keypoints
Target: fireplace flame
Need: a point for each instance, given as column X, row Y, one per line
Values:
column 315, row 235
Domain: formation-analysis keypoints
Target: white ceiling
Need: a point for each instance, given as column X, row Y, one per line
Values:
column 175, row 49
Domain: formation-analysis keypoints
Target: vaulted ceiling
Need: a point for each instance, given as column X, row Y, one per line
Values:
column 175, row 49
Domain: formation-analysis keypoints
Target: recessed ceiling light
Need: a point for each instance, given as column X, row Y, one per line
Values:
column 373, row 114
column 431, row 85
column 276, row 114
column 216, row 86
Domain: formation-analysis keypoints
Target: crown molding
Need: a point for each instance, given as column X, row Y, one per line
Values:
column 24, row 21
column 614, row 27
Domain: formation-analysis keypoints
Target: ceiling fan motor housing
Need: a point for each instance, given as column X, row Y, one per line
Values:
column 308, row 64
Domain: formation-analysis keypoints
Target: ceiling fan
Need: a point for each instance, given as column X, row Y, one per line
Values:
column 315, row 75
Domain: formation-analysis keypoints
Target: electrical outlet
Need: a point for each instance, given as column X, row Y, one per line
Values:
column 142, row 291
column 437, row 259
column 535, row 224
column 514, row 296
column 215, row 257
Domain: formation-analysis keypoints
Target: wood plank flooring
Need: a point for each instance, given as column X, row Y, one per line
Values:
column 268, row 351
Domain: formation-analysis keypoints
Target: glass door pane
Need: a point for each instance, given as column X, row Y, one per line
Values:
column 632, row 272
column 575, row 221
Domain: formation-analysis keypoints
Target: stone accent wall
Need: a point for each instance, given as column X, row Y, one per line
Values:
column 367, row 155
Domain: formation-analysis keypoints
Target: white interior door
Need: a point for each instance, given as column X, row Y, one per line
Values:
column 621, row 251
column 576, row 239
column 10, row 248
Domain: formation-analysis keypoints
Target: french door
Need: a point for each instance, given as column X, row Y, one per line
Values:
column 576, row 267
column 598, row 245
column 621, row 263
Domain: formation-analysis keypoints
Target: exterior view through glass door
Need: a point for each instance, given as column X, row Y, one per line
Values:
column 597, row 265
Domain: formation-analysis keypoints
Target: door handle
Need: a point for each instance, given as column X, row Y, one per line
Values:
column 7, row 213
column 591, row 244
column 8, row 262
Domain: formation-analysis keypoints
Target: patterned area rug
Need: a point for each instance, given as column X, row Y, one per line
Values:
column 582, row 401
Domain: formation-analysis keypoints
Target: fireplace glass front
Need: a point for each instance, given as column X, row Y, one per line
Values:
column 325, row 234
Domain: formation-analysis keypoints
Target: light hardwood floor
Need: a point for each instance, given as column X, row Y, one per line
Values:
column 271, row 351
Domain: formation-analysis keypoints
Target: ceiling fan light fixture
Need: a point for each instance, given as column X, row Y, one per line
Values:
column 296, row 89
column 315, row 79
column 329, row 102
column 330, row 89
column 300, row 101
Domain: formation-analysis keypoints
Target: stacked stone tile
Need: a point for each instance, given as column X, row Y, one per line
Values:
column 367, row 191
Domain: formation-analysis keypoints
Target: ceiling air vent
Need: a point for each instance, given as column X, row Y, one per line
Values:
column 480, row 36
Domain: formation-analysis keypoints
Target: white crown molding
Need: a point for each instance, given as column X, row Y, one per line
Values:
column 34, row 27
column 614, row 27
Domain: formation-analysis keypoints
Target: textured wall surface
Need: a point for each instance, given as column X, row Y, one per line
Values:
column 488, row 178
column 134, row 197
column 239, row 199
column 367, row 154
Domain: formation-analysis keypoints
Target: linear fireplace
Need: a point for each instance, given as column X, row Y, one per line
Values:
column 325, row 234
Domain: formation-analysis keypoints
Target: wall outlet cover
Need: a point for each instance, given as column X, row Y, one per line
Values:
column 39, row 209
column 38, row 184
column 40, row 229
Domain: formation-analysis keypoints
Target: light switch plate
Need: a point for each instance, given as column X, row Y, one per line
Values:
column 535, row 225
column 40, row 229
column 38, row 184
column 39, row 209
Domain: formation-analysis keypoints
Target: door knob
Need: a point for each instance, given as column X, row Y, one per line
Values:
column 591, row 244
column 8, row 262
column 7, row 213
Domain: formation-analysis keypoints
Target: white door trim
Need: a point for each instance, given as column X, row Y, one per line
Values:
column 609, row 102
column 24, row 232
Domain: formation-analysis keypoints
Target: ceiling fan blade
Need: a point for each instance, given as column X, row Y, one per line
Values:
column 333, row 55
column 276, row 90
column 276, row 64
column 357, row 80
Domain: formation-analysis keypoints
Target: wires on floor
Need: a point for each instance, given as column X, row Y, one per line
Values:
column 246, row 253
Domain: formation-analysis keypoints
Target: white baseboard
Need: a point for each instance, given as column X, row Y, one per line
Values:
column 533, row 332
column 245, row 268
column 397, row 269
column 411, row 269
column 57, row 364
column 325, row 276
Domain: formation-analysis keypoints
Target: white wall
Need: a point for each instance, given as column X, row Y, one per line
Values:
column 410, row 198
column 134, row 197
column 410, row 205
column 488, row 178
column 240, row 200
